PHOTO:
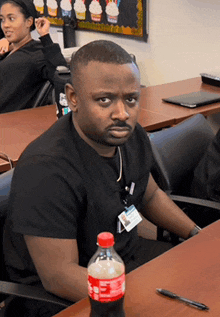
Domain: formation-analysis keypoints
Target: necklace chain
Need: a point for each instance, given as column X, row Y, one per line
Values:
column 121, row 164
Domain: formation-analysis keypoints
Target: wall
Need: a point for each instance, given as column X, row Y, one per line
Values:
column 183, row 40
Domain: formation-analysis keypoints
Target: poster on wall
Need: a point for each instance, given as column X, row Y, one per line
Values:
column 119, row 17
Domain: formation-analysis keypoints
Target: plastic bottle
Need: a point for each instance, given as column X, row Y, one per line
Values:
column 106, row 279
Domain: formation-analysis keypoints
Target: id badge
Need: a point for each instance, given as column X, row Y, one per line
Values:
column 128, row 219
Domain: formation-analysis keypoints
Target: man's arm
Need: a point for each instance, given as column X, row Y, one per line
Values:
column 163, row 212
column 56, row 261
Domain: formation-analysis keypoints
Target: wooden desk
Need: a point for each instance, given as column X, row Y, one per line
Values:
column 191, row 269
column 19, row 128
column 151, row 100
column 151, row 121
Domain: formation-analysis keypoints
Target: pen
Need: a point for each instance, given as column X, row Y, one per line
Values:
column 182, row 299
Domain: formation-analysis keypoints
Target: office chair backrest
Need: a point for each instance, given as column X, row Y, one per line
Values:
column 62, row 76
column 5, row 186
column 44, row 96
column 177, row 151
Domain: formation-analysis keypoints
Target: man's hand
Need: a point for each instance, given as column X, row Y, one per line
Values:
column 4, row 46
column 42, row 26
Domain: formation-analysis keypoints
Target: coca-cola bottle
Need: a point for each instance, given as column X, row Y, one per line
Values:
column 106, row 279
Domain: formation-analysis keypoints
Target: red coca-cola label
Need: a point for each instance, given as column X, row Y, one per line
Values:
column 106, row 290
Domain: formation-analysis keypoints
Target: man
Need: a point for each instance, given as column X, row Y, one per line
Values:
column 75, row 180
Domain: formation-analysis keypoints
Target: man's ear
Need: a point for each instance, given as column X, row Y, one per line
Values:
column 71, row 97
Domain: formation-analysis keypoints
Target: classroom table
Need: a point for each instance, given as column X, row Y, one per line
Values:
column 152, row 121
column 191, row 269
column 151, row 100
column 19, row 128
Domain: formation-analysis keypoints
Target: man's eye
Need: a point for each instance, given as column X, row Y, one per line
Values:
column 104, row 100
column 131, row 100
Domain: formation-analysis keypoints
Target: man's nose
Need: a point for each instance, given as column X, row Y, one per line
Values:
column 120, row 111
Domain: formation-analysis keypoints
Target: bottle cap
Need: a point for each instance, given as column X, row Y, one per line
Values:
column 105, row 239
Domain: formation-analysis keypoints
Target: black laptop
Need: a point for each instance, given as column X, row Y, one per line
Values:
column 194, row 99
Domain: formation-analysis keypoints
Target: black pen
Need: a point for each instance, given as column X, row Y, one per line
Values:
column 182, row 299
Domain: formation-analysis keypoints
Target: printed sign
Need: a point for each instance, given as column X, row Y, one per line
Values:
column 119, row 17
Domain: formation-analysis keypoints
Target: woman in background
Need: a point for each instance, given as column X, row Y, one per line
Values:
column 28, row 63
column 3, row 42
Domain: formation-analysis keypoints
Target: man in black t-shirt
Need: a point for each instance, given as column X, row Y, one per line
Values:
column 88, row 169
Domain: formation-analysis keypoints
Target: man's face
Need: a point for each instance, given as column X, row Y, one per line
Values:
column 106, row 103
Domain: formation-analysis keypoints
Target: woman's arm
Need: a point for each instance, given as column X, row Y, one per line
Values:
column 42, row 26
column 52, row 52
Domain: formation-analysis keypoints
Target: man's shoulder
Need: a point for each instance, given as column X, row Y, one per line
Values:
column 53, row 141
column 138, row 152
column 52, row 157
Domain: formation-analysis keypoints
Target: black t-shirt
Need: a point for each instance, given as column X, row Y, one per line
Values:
column 63, row 189
column 1, row 33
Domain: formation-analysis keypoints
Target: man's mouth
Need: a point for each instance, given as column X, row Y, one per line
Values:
column 119, row 132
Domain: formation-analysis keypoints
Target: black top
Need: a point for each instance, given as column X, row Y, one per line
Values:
column 23, row 73
column 1, row 33
column 63, row 189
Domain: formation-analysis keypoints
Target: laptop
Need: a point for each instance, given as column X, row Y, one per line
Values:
column 211, row 78
column 194, row 99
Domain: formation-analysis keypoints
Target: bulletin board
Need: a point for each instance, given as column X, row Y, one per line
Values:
column 119, row 17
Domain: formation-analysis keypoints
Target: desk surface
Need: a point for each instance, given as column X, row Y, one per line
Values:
column 19, row 128
column 151, row 100
column 151, row 120
column 191, row 269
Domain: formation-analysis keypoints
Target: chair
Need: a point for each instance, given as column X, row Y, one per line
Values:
column 62, row 76
column 44, row 96
column 9, row 290
column 177, row 151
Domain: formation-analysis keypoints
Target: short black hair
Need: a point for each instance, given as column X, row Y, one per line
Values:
column 99, row 51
